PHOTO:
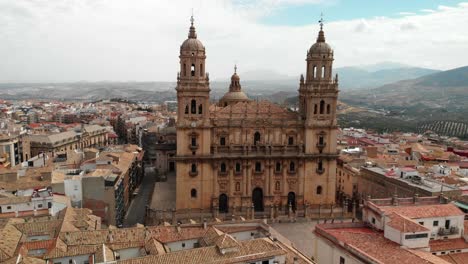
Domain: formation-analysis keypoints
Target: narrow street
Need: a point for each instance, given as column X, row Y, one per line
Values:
column 136, row 210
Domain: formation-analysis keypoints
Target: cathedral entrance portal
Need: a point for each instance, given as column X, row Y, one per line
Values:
column 257, row 199
column 291, row 201
column 223, row 203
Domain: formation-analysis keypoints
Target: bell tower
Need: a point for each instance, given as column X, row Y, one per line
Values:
column 193, row 90
column 193, row 127
column 318, row 96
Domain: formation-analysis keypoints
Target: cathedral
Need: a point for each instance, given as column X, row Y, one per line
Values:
column 240, row 152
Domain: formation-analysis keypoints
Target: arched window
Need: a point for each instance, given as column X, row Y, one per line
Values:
column 315, row 71
column 194, row 167
column 322, row 107
column 222, row 141
column 238, row 167
column 319, row 189
column 290, row 140
column 194, row 141
column 193, row 107
column 200, row 109
column 315, row 109
column 223, row 167
column 320, row 165
column 192, row 70
column 321, row 141
column 323, row 71
column 328, row 108
column 258, row 167
column 185, row 70
column 256, row 138
column 237, row 186
column 193, row 193
column 278, row 166
column 201, row 70
column 186, row 109
column 292, row 166
column 277, row 186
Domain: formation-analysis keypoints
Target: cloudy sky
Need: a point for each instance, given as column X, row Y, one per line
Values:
column 138, row 40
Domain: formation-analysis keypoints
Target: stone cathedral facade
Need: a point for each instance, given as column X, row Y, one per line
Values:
column 240, row 152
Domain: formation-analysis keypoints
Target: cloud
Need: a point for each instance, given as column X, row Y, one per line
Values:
column 408, row 26
column 71, row 40
column 407, row 13
column 427, row 10
column 362, row 26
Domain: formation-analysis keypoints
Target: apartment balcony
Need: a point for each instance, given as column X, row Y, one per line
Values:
column 193, row 173
column 320, row 171
column 450, row 231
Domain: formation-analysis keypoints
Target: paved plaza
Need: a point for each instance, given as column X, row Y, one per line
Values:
column 164, row 195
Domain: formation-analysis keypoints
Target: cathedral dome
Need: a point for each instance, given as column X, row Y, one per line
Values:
column 192, row 43
column 235, row 93
column 320, row 47
column 235, row 96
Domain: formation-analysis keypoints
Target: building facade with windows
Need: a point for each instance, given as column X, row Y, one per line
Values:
column 240, row 152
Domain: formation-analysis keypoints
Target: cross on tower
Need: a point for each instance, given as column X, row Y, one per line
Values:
column 321, row 21
column 191, row 18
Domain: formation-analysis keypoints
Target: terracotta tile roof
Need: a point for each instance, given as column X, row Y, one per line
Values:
column 171, row 234
column 448, row 244
column 10, row 238
column 72, row 251
column 250, row 250
column 423, row 211
column 154, row 247
column 50, row 227
column 6, row 199
column 374, row 245
column 104, row 254
column 459, row 258
column 24, row 260
column 404, row 224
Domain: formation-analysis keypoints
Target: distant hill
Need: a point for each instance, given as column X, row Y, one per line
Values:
column 353, row 78
column 441, row 96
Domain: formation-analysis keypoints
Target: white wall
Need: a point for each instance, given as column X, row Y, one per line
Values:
column 176, row 246
column 78, row 259
column 35, row 203
column 73, row 189
column 326, row 252
column 129, row 253
column 457, row 221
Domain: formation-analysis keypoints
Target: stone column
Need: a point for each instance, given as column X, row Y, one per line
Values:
column 354, row 210
column 252, row 209
column 306, row 207
column 319, row 211
column 331, row 211
column 174, row 218
column 272, row 212
column 344, row 209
